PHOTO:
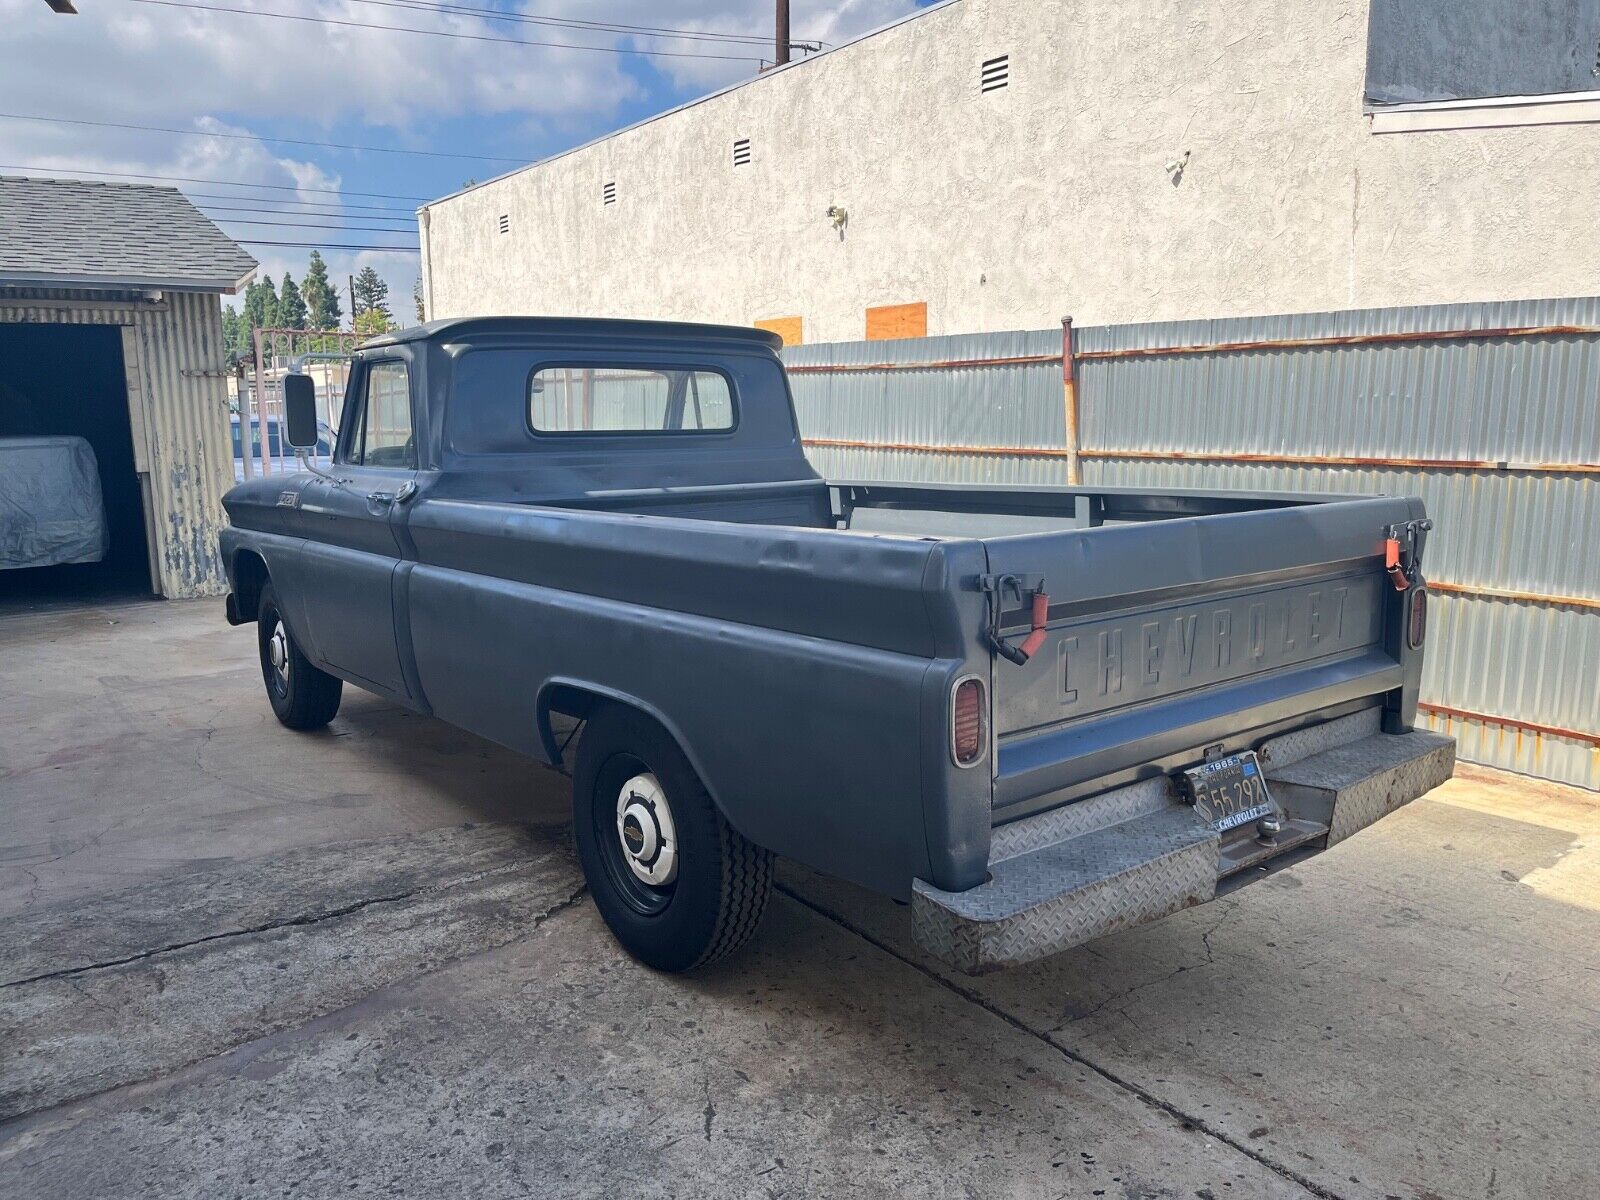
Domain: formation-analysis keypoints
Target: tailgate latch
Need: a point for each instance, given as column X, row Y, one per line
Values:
column 1029, row 591
column 1402, row 551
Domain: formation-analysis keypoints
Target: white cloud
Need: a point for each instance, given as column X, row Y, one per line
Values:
column 152, row 65
column 149, row 62
column 830, row 24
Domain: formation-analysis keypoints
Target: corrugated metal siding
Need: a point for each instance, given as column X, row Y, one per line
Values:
column 1514, row 399
column 1012, row 405
column 1524, row 400
column 179, row 403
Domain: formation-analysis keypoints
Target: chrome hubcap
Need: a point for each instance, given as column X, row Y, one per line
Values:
column 645, row 829
column 278, row 653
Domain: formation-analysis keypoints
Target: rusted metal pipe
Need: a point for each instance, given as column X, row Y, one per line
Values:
column 1466, row 714
column 1069, row 389
column 1321, row 460
column 1357, row 339
column 246, row 430
column 923, row 448
column 949, row 364
column 1354, row 339
column 1489, row 593
column 1343, row 460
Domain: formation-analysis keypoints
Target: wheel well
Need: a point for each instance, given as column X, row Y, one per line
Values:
column 575, row 702
column 580, row 702
column 249, row 577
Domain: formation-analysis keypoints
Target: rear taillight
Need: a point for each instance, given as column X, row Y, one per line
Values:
column 1417, row 621
column 969, row 721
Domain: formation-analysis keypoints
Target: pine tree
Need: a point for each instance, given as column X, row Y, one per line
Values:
column 261, row 305
column 321, row 297
column 372, row 293
column 291, row 307
column 417, row 298
column 370, row 322
column 233, row 331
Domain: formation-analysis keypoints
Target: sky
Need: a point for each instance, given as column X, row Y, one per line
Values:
column 478, row 108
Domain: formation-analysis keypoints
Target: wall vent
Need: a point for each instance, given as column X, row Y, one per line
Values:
column 741, row 152
column 608, row 193
column 505, row 222
column 995, row 73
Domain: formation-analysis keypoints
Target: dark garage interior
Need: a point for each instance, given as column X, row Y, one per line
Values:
column 69, row 380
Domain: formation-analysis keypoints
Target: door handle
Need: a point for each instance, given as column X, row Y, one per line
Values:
column 407, row 490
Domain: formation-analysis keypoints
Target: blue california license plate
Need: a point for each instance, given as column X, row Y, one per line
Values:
column 1229, row 792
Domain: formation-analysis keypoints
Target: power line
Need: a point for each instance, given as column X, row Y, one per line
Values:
column 304, row 224
column 442, row 33
column 619, row 27
column 331, row 246
column 329, row 205
column 408, row 222
column 276, row 187
column 250, row 137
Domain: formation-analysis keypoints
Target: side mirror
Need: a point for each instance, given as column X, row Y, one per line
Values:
column 300, row 411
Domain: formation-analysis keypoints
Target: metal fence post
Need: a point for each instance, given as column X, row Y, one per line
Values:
column 246, row 433
column 1069, row 389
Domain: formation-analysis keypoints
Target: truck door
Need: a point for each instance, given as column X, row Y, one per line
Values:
column 351, row 552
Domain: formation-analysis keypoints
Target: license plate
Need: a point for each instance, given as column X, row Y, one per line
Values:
column 1229, row 792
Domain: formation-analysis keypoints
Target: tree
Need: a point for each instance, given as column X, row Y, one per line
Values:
column 261, row 305
column 372, row 293
column 416, row 296
column 373, row 321
column 321, row 297
column 291, row 306
column 234, row 334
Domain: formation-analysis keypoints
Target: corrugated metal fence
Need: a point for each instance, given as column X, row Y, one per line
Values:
column 1489, row 412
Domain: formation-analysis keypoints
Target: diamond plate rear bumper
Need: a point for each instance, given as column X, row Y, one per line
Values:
column 1139, row 853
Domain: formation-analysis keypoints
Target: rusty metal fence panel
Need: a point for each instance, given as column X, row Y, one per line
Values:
column 880, row 410
column 1489, row 412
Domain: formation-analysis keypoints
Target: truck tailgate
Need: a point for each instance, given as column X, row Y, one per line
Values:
column 1165, row 637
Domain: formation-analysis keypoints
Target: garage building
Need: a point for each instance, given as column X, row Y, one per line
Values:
column 114, row 426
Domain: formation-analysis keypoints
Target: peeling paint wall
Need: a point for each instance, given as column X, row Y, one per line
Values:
column 174, row 361
column 1008, row 209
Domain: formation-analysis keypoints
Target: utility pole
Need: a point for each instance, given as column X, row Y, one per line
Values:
column 783, row 32
column 352, row 281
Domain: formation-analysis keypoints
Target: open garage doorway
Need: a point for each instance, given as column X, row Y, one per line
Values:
column 60, row 384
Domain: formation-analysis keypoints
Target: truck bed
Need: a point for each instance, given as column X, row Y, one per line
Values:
column 1178, row 620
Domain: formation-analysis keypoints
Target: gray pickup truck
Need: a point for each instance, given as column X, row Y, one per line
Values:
column 1037, row 715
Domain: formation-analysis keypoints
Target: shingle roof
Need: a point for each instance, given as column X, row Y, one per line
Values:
column 73, row 232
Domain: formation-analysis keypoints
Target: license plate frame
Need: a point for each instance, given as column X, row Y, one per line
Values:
column 1229, row 792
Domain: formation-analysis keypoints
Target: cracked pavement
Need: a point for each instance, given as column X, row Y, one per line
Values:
column 236, row 961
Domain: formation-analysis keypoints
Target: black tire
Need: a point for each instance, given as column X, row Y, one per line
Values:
column 722, row 881
column 302, row 696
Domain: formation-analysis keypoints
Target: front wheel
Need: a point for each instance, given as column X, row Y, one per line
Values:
column 302, row 696
column 677, row 884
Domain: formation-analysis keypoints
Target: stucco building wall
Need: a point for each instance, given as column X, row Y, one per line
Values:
column 1050, row 196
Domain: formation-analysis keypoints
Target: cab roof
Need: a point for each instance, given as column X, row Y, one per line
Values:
column 574, row 327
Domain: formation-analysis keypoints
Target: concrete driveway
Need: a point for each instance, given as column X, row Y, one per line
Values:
column 236, row 961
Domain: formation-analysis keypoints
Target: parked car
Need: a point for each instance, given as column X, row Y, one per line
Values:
column 1036, row 714
column 276, row 446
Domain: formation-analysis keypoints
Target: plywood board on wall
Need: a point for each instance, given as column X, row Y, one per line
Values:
column 897, row 321
column 788, row 328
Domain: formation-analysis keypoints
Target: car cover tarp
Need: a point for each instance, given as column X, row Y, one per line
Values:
column 50, row 505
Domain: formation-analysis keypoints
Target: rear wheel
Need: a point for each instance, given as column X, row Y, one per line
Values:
column 302, row 696
column 677, row 884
